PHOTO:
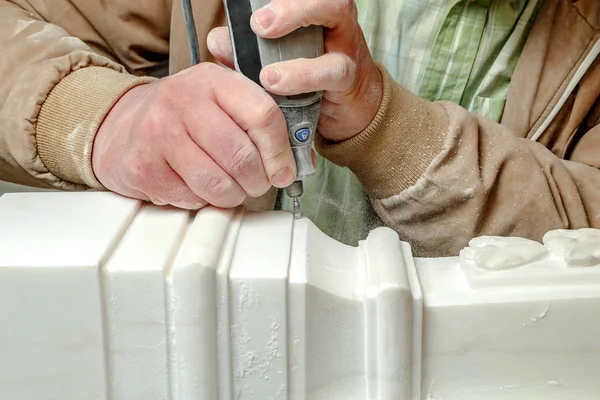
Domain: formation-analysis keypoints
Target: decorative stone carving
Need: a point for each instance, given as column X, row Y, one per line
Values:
column 495, row 261
column 579, row 248
column 493, row 253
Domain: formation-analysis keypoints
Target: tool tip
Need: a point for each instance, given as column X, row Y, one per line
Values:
column 297, row 211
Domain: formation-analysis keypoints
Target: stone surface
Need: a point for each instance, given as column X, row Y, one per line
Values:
column 51, row 325
column 507, row 341
column 103, row 298
column 134, row 305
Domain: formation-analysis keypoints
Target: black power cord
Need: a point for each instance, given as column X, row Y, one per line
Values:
column 190, row 26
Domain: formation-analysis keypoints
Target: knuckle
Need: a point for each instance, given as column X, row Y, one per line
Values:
column 222, row 190
column 306, row 78
column 267, row 113
column 193, row 73
column 150, row 129
column 341, row 72
column 216, row 187
column 207, row 67
column 277, row 159
column 168, row 93
column 243, row 160
column 347, row 71
column 141, row 173
column 211, row 75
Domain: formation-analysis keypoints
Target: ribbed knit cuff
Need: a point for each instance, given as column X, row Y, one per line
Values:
column 394, row 151
column 70, row 117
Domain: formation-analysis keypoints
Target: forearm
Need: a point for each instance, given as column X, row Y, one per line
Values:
column 439, row 176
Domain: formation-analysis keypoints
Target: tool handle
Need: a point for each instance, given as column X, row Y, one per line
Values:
column 252, row 53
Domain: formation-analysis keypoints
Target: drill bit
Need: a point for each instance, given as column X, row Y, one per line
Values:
column 294, row 191
column 297, row 211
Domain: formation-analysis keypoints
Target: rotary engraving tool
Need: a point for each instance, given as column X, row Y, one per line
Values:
column 252, row 53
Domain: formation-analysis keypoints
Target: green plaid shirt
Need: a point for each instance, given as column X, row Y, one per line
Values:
column 463, row 51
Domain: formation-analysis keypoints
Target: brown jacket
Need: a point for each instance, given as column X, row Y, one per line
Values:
column 436, row 173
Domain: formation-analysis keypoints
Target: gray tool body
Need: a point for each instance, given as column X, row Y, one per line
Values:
column 252, row 53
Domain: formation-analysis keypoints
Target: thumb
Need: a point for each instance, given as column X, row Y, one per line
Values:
column 219, row 44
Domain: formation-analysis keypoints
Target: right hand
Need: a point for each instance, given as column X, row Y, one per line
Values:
column 204, row 136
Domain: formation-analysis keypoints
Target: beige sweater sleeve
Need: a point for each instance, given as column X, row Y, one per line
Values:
column 440, row 176
column 54, row 93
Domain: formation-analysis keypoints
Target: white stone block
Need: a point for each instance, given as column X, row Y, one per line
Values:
column 525, row 329
column 103, row 299
column 135, row 312
column 258, row 307
column 192, row 306
column 51, row 331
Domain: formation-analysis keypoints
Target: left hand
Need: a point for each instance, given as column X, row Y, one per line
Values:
column 351, row 83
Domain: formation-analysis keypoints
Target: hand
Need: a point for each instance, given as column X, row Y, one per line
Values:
column 204, row 136
column 351, row 82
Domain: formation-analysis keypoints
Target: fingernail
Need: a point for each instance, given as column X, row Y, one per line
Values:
column 264, row 18
column 272, row 75
column 282, row 178
column 212, row 43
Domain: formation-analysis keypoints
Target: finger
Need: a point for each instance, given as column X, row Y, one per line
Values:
column 281, row 17
column 176, row 192
column 331, row 110
column 255, row 112
column 230, row 148
column 202, row 175
column 330, row 127
column 219, row 44
column 158, row 183
column 332, row 71
column 315, row 159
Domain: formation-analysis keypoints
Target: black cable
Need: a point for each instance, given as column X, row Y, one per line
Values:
column 190, row 26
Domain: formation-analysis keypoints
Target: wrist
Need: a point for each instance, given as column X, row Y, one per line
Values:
column 394, row 151
column 70, row 117
column 117, row 120
column 371, row 93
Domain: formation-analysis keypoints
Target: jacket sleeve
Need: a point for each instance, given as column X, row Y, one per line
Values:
column 54, row 93
column 440, row 176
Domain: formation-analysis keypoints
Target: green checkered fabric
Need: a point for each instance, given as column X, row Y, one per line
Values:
column 461, row 51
